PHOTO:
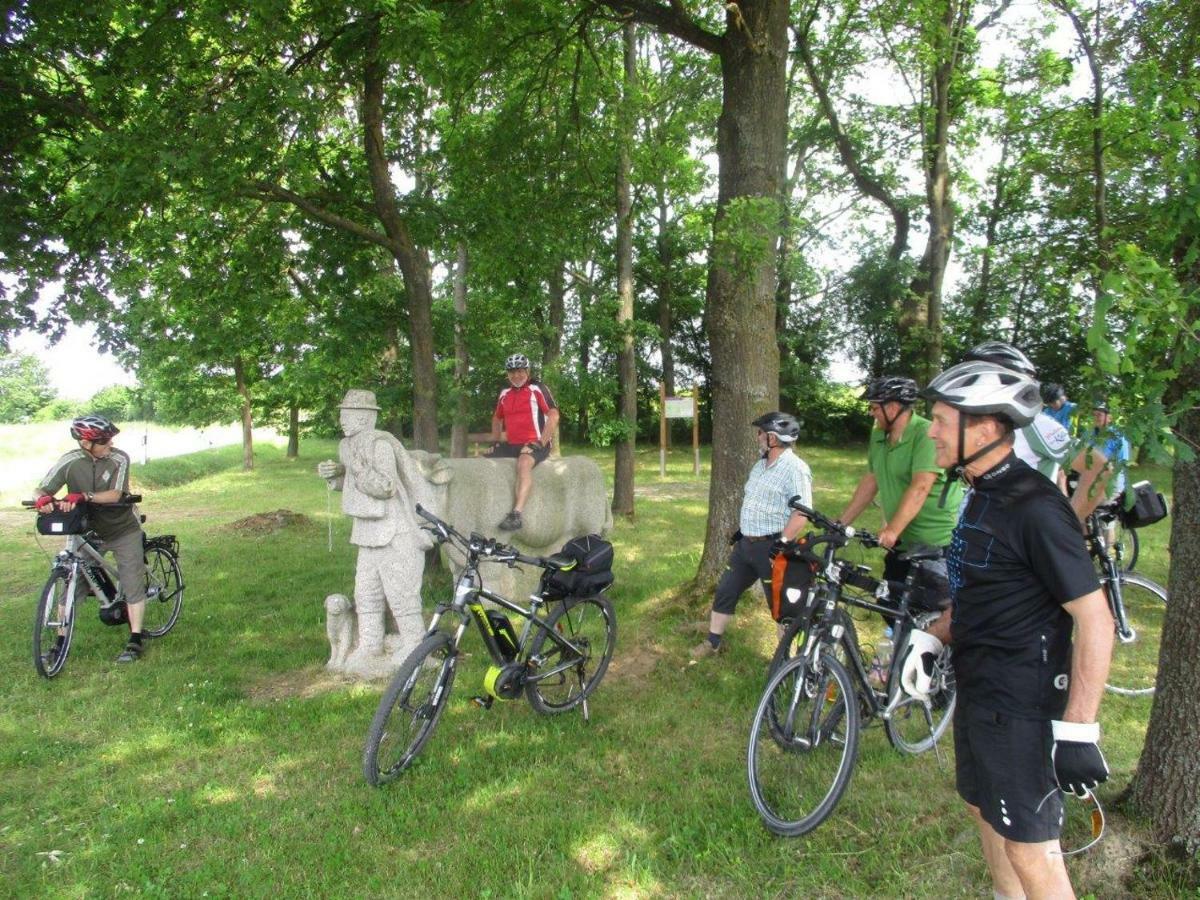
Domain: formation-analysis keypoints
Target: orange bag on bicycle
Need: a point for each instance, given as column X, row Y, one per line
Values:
column 792, row 572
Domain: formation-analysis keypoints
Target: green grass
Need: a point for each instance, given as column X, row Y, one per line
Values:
column 226, row 763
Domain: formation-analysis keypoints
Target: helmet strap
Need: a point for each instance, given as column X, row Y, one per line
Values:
column 957, row 470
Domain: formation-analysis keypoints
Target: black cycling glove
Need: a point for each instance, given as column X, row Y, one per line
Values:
column 1078, row 763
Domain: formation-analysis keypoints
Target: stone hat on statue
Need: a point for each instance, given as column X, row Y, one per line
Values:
column 359, row 399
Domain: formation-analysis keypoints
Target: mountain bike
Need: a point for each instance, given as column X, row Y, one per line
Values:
column 557, row 660
column 804, row 737
column 79, row 570
column 1138, row 606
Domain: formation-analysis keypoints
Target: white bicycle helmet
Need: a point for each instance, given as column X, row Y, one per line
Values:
column 985, row 388
column 916, row 672
column 516, row 361
column 1003, row 355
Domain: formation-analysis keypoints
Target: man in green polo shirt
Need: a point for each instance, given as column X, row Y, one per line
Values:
column 902, row 471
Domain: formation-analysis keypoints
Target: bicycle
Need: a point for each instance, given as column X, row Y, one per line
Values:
column 558, row 659
column 80, row 570
column 804, row 737
column 1131, row 597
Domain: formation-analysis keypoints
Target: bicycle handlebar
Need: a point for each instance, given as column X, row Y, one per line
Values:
column 478, row 545
column 126, row 500
column 831, row 526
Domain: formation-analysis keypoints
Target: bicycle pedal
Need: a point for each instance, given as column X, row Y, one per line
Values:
column 483, row 701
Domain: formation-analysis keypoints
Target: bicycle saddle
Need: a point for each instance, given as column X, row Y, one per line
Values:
column 560, row 562
column 917, row 554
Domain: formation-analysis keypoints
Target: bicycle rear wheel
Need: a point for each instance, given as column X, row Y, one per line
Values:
column 1127, row 546
column 164, row 592
column 55, row 618
column 563, row 679
column 803, row 744
column 1134, row 666
column 410, row 709
column 916, row 725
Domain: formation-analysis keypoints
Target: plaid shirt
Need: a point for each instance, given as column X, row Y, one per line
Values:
column 768, row 490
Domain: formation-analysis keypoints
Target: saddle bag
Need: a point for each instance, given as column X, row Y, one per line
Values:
column 57, row 524
column 792, row 572
column 1143, row 506
column 592, row 572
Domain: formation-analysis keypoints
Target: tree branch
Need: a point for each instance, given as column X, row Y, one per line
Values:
column 672, row 19
column 267, row 190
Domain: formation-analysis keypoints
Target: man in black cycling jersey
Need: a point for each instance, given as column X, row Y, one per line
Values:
column 1025, row 727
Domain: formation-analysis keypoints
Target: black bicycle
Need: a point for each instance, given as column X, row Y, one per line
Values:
column 804, row 737
column 1138, row 605
column 557, row 660
column 79, row 570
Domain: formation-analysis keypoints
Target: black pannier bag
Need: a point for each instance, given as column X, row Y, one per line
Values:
column 591, row 574
column 57, row 524
column 932, row 584
column 1143, row 506
column 792, row 573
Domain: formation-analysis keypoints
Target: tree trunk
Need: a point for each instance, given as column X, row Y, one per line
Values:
column 555, row 319
column 623, row 476
column 293, row 447
column 1166, row 786
column 666, row 262
column 413, row 261
column 583, row 290
column 740, row 295
column 239, row 375
column 462, row 361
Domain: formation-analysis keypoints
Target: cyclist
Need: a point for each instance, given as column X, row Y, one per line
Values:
column 96, row 472
column 1057, row 406
column 529, row 416
column 765, row 521
column 1025, row 726
column 902, row 471
column 1101, row 464
column 1044, row 444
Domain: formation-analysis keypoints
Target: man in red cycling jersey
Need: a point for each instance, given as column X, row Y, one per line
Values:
column 527, row 413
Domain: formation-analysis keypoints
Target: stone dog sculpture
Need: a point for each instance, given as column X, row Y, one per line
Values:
column 380, row 487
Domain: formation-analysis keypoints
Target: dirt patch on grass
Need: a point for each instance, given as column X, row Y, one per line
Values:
column 270, row 522
column 299, row 684
column 634, row 664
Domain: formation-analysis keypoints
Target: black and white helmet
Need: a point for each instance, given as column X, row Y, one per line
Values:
column 891, row 388
column 516, row 361
column 1002, row 354
column 983, row 388
column 780, row 424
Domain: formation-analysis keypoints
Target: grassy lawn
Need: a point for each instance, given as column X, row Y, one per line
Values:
column 226, row 764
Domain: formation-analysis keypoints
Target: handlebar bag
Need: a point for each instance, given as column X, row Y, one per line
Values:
column 592, row 572
column 1147, row 507
column 57, row 524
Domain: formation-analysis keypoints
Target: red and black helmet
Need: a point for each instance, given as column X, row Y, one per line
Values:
column 93, row 428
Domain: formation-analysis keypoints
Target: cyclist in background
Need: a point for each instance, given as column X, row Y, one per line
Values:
column 1101, row 464
column 919, row 504
column 1025, row 729
column 527, row 413
column 765, row 521
column 1044, row 444
column 96, row 472
column 1057, row 406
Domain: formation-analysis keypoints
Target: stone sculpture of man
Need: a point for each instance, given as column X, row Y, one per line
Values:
column 379, row 494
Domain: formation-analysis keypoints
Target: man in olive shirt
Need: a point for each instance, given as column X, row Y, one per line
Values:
column 902, row 471
column 98, row 473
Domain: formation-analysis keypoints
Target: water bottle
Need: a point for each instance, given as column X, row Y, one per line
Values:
column 883, row 658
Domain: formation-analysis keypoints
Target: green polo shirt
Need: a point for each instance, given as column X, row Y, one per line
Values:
column 894, row 465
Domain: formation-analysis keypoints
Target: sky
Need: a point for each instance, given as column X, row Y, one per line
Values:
column 77, row 369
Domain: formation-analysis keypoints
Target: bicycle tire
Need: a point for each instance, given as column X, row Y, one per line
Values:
column 1134, row 667
column 590, row 624
column 47, row 626
column 916, row 725
column 789, row 645
column 796, row 781
column 419, row 702
column 164, row 592
column 1130, row 546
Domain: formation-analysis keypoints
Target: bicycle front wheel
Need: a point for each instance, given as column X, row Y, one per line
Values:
column 410, row 709
column 917, row 724
column 563, row 678
column 1127, row 546
column 53, row 626
column 803, row 744
column 164, row 592
column 1134, row 667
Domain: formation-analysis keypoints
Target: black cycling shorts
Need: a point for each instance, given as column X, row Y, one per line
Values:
column 1002, row 765
column 512, row 451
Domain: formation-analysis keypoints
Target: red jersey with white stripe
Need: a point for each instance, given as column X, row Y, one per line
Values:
column 523, row 411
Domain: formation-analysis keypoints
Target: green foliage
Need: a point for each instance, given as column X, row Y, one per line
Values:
column 122, row 404
column 830, row 413
column 24, row 387
column 59, row 410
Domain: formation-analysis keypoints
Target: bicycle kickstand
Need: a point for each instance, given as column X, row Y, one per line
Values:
column 587, row 716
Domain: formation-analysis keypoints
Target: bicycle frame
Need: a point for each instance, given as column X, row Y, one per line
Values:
column 1109, row 563
column 76, row 559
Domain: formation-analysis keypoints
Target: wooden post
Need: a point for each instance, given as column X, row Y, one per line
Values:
column 695, row 429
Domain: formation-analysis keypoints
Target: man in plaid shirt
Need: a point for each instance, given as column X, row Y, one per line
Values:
column 766, row 518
